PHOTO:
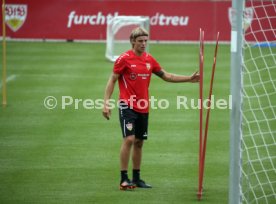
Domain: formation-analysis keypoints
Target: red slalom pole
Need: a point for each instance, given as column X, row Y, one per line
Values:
column 201, row 66
column 208, row 111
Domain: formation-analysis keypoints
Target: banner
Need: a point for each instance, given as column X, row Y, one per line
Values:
column 87, row 20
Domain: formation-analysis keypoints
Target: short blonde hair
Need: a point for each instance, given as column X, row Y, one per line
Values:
column 137, row 32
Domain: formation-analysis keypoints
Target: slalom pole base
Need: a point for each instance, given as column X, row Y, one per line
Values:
column 199, row 195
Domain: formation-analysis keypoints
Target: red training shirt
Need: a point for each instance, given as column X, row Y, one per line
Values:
column 135, row 74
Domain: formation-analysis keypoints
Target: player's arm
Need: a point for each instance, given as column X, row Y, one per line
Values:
column 108, row 93
column 170, row 77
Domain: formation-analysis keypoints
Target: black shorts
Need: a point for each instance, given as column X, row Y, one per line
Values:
column 133, row 123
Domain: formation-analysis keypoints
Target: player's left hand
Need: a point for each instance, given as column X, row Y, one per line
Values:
column 195, row 77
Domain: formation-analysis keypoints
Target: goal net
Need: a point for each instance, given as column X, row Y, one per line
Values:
column 258, row 145
column 118, row 32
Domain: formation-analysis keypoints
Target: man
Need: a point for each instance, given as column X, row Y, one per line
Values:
column 133, row 70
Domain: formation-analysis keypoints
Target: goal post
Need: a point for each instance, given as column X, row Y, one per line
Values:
column 118, row 32
column 253, row 116
column 235, row 117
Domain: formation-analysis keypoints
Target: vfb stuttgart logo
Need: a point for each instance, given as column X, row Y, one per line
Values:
column 248, row 15
column 16, row 15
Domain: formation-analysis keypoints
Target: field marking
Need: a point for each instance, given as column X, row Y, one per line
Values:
column 9, row 78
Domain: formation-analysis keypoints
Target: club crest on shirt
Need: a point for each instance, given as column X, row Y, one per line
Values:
column 148, row 66
column 129, row 126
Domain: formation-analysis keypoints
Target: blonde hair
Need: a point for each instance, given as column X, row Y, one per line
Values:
column 137, row 32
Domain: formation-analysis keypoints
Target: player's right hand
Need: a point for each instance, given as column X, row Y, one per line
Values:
column 106, row 112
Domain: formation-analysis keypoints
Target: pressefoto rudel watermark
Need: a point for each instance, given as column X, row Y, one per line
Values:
column 180, row 102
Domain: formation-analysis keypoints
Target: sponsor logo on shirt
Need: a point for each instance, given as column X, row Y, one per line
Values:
column 133, row 76
column 144, row 76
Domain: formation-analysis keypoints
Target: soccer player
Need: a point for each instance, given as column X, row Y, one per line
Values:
column 133, row 71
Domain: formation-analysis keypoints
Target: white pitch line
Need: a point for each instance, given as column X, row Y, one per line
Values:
column 9, row 78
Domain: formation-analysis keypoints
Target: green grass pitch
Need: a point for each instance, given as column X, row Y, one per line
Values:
column 72, row 156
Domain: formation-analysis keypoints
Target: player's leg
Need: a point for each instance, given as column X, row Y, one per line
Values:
column 126, row 146
column 141, row 133
column 127, row 118
column 137, row 153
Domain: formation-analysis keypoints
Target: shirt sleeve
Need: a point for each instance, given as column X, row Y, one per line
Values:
column 119, row 65
column 155, row 66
